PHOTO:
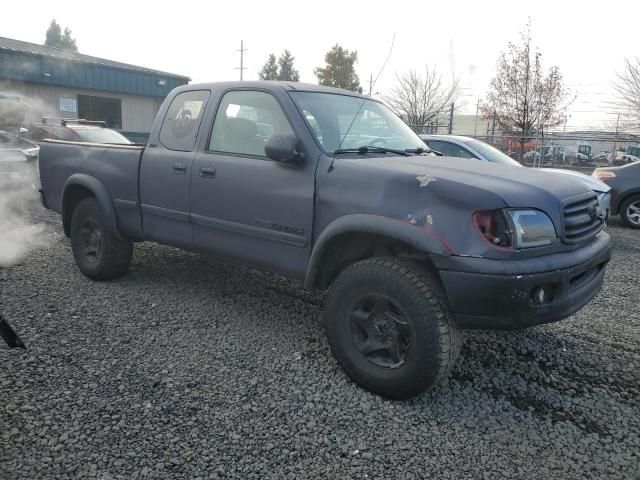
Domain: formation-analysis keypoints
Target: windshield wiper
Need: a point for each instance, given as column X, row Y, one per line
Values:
column 421, row 150
column 364, row 149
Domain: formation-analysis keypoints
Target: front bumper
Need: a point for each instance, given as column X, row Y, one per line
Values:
column 497, row 294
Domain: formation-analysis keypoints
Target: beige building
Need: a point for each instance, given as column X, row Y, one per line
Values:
column 60, row 83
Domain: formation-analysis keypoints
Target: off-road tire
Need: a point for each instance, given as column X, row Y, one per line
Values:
column 114, row 255
column 437, row 338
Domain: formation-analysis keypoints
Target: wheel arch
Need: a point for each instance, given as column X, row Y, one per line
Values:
column 80, row 186
column 623, row 198
column 351, row 238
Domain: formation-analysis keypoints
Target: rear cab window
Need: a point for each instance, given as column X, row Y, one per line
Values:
column 182, row 120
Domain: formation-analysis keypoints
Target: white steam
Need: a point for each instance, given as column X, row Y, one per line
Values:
column 19, row 201
column 18, row 234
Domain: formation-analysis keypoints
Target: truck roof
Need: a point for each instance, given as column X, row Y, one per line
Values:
column 291, row 86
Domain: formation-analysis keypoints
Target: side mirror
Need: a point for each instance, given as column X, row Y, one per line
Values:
column 283, row 147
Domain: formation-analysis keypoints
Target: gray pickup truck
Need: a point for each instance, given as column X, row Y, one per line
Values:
column 331, row 188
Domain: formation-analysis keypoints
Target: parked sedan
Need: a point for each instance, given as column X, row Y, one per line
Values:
column 467, row 147
column 625, row 191
column 76, row 131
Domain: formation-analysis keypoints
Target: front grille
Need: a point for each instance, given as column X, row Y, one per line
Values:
column 582, row 218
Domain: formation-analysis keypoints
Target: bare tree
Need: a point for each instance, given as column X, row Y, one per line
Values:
column 522, row 100
column 627, row 87
column 420, row 98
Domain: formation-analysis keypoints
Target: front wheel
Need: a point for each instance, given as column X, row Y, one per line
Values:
column 630, row 211
column 98, row 252
column 390, row 328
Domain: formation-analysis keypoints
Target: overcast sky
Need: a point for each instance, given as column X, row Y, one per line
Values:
column 587, row 40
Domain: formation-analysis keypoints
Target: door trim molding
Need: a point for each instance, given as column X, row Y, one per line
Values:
column 276, row 236
column 165, row 213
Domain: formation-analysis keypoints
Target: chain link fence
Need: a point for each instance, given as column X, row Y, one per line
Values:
column 577, row 150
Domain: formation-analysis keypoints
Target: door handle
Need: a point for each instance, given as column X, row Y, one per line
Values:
column 179, row 168
column 208, row 172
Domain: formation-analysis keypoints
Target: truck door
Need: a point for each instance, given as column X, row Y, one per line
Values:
column 165, row 171
column 245, row 206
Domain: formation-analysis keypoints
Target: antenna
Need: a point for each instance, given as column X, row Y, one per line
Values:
column 371, row 85
column 393, row 41
column 242, row 68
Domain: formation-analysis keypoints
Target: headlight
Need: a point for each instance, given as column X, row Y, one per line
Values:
column 31, row 152
column 603, row 175
column 530, row 228
column 493, row 225
column 515, row 228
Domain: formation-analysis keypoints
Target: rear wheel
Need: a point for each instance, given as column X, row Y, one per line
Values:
column 630, row 211
column 98, row 252
column 390, row 328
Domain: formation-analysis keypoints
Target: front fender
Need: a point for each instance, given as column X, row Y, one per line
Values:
column 421, row 237
column 619, row 198
column 99, row 191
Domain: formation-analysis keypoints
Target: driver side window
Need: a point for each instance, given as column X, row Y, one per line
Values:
column 245, row 120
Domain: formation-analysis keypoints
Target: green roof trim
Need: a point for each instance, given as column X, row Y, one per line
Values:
column 30, row 62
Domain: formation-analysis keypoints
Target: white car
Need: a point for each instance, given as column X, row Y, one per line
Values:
column 467, row 147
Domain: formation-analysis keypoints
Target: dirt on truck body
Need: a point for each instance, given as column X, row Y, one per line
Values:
column 331, row 188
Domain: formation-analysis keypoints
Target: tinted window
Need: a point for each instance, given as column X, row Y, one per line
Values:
column 62, row 133
column 101, row 135
column 181, row 123
column 344, row 121
column 245, row 120
column 449, row 149
column 491, row 153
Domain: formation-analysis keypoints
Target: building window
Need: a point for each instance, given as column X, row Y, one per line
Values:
column 108, row 110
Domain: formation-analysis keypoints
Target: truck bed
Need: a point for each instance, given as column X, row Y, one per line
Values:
column 115, row 166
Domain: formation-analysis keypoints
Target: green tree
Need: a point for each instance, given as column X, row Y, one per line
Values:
column 339, row 69
column 286, row 71
column 53, row 35
column 270, row 69
column 56, row 38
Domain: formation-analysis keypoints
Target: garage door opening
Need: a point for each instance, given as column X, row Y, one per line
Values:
column 103, row 109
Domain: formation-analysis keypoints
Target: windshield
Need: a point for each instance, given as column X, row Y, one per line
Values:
column 491, row 153
column 100, row 135
column 341, row 121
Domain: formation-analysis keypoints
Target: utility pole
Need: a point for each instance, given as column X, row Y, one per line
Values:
column 615, row 141
column 475, row 125
column 242, row 68
column 370, row 83
column 451, row 119
column 493, row 128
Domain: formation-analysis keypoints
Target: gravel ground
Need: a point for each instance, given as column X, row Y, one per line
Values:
column 187, row 368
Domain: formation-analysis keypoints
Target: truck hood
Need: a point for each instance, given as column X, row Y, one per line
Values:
column 517, row 187
column 592, row 183
column 440, row 195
